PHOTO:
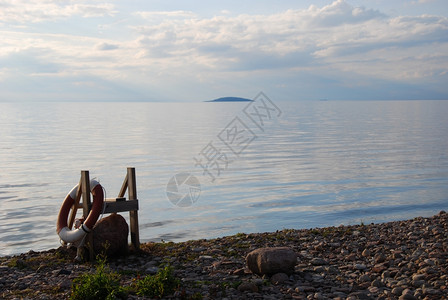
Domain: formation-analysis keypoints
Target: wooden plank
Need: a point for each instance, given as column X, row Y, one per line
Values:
column 85, row 187
column 133, row 215
column 135, row 235
column 120, row 206
column 75, row 206
column 86, row 205
column 123, row 187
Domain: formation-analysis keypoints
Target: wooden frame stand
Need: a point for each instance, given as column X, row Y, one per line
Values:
column 114, row 205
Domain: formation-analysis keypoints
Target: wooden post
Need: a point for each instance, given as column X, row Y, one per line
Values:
column 133, row 215
column 75, row 205
column 85, row 190
column 86, row 204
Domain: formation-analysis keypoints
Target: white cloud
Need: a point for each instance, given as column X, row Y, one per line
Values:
column 337, row 46
column 340, row 12
column 328, row 36
column 175, row 14
column 34, row 11
column 106, row 46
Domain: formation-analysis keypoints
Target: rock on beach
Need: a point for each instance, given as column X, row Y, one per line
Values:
column 272, row 260
column 110, row 236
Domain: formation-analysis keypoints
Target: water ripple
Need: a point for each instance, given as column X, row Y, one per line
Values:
column 319, row 164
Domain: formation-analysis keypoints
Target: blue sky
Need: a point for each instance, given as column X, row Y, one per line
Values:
column 200, row 50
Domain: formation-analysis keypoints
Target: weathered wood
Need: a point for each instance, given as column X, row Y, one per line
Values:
column 86, row 205
column 120, row 206
column 75, row 206
column 135, row 236
column 124, row 187
column 85, row 187
column 133, row 215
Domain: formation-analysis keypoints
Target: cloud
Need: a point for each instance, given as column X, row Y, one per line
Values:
column 281, row 33
column 338, row 48
column 106, row 46
column 295, row 38
column 29, row 61
column 164, row 14
column 351, row 44
column 339, row 13
column 35, row 11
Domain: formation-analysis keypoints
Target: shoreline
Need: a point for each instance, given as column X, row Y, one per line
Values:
column 393, row 260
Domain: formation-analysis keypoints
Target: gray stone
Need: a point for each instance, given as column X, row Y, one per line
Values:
column 397, row 291
column 407, row 295
column 199, row 249
column 385, row 274
column 366, row 253
column 258, row 281
column 151, row 263
column 319, row 269
column 361, row 295
column 418, row 277
column 271, row 260
column 152, row 270
column 364, row 278
column 317, row 261
column 206, row 257
column 417, row 283
column 377, row 283
column 379, row 258
column 65, row 284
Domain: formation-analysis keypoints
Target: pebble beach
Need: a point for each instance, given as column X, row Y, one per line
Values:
column 394, row 260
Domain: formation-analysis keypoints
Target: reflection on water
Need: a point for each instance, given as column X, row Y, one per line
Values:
column 320, row 163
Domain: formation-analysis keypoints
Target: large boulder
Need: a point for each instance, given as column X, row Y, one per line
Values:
column 110, row 236
column 272, row 260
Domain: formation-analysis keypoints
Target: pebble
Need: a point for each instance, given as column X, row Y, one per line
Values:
column 407, row 297
column 366, row 253
column 152, row 270
column 377, row 283
column 364, row 278
column 397, row 260
column 248, row 287
column 397, row 291
column 318, row 261
column 379, row 258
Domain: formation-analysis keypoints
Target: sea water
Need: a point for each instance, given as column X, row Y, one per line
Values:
column 301, row 164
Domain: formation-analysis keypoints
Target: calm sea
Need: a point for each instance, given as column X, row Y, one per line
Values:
column 308, row 164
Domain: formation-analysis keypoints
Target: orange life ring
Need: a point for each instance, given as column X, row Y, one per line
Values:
column 71, row 236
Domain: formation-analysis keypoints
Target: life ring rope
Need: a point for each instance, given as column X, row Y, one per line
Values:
column 71, row 236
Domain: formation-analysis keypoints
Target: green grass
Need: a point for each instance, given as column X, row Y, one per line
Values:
column 17, row 263
column 103, row 284
column 159, row 285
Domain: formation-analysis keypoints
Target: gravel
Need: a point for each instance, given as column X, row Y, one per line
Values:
column 395, row 260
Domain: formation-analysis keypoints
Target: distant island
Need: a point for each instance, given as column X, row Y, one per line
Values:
column 230, row 99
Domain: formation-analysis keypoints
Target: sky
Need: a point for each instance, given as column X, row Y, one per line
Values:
column 126, row 50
